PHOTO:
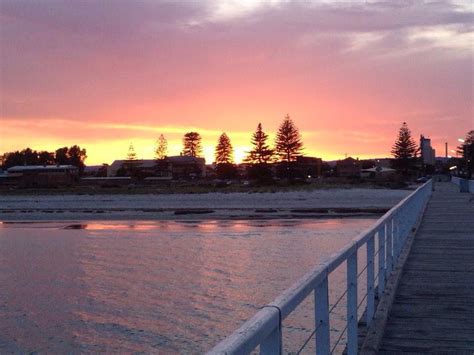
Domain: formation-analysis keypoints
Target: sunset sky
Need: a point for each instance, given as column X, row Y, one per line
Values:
column 102, row 74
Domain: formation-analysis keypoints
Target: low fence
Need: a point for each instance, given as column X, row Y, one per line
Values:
column 382, row 242
column 465, row 185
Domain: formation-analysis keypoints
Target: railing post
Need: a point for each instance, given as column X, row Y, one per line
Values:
column 396, row 238
column 381, row 236
column 321, row 308
column 272, row 344
column 403, row 225
column 416, row 210
column 399, row 235
column 352, row 304
column 411, row 213
column 389, row 247
column 370, row 280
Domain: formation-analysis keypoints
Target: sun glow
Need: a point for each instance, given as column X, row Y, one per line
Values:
column 111, row 142
column 240, row 153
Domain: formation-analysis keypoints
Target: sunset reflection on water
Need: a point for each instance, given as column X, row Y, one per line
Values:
column 150, row 286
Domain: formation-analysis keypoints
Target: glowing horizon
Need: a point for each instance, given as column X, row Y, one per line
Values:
column 116, row 149
column 145, row 147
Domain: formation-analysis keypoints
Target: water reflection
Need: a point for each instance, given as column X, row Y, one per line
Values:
column 151, row 286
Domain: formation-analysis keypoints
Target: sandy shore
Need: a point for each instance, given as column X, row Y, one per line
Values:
column 297, row 204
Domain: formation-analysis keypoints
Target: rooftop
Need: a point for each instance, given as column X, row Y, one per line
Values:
column 20, row 168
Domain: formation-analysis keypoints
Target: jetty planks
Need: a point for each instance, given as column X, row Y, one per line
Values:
column 433, row 309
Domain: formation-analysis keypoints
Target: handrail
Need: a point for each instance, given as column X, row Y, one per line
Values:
column 466, row 185
column 392, row 230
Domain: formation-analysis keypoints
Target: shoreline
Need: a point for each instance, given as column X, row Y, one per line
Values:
column 185, row 214
column 335, row 203
column 186, row 188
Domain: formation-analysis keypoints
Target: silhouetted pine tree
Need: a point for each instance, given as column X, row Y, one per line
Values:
column 161, row 148
column 130, row 165
column 225, row 169
column 466, row 150
column 261, row 152
column 468, row 140
column 288, row 144
column 404, row 150
column 192, row 144
column 223, row 151
column 131, row 155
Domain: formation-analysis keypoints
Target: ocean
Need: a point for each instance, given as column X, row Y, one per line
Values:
column 155, row 287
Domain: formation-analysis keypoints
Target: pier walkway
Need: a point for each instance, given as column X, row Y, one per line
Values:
column 433, row 308
column 417, row 289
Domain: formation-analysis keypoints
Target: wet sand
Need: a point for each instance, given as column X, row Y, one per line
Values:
column 296, row 204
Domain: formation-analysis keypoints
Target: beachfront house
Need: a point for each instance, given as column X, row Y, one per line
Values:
column 348, row 167
column 175, row 167
column 43, row 175
column 186, row 167
column 308, row 167
column 95, row 171
column 135, row 168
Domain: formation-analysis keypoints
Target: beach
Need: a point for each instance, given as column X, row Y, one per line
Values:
column 267, row 205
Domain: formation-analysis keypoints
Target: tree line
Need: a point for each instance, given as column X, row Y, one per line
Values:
column 406, row 152
column 288, row 146
column 73, row 155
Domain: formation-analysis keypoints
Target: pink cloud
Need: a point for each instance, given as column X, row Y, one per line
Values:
column 363, row 67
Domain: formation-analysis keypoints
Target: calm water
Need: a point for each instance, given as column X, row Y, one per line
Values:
column 152, row 286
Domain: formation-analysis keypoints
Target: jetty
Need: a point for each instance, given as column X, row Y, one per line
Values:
column 409, row 281
column 433, row 307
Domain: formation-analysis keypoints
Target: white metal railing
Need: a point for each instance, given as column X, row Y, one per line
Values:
column 264, row 329
column 469, row 183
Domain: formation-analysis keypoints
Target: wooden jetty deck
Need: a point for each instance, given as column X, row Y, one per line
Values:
column 433, row 308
